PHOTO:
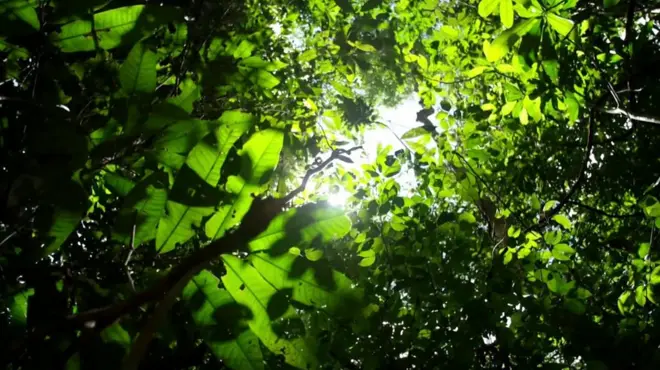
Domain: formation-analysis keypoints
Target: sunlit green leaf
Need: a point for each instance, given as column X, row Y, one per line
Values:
column 218, row 318
column 207, row 157
column 486, row 7
column 267, row 305
column 138, row 72
column 113, row 28
column 562, row 25
column 506, row 13
column 260, row 156
column 563, row 221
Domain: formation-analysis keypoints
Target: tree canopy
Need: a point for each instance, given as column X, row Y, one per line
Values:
column 218, row 184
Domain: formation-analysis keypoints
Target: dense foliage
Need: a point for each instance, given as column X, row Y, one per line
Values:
column 171, row 174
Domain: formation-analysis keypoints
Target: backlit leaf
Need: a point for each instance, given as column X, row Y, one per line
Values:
column 138, row 72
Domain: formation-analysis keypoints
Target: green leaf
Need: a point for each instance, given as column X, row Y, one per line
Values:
column 313, row 284
column 178, row 225
column 313, row 254
column 549, row 205
column 142, row 210
column 415, row 132
column 610, row 3
column 643, row 250
column 562, row 25
column 138, row 72
column 524, row 118
column 624, row 302
column 343, row 90
column 207, row 157
column 364, row 47
column 265, row 79
column 19, row 17
column 655, row 276
column 563, row 221
column 118, row 184
column 640, row 295
column 172, row 146
column 267, row 307
column 562, row 252
column 113, row 28
column 487, row 7
column 116, row 334
column 474, row 72
column 506, row 13
column 552, row 237
column 18, row 308
column 218, row 318
column 311, row 222
column 260, row 156
column 503, row 43
column 307, row 56
column 243, row 50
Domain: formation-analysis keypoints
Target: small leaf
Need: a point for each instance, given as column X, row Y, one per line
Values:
column 563, row 221
column 640, row 295
column 624, row 302
column 307, row 56
column 486, row 7
column 655, row 276
column 474, row 72
column 366, row 262
column 313, row 254
column 507, row 108
column 643, row 250
column 549, row 205
column 562, row 25
column 513, row 231
column 506, row 13
column 524, row 118
column 415, row 132
column 266, row 80
column 562, row 252
column 552, row 237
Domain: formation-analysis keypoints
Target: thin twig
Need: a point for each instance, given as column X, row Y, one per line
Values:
column 631, row 116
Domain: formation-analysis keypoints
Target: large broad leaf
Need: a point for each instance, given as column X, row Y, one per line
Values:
column 18, row 309
column 68, row 212
column 112, row 28
column 260, row 154
column 268, row 308
column 220, row 321
column 313, row 284
column 503, row 43
column 207, row 157
column 190, row 200
column 302, row 226
column 138, row 73
column 18, row 17
column 143, row 208
column 176, row 141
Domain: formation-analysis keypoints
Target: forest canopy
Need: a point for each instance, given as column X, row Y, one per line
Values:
column 329, row 184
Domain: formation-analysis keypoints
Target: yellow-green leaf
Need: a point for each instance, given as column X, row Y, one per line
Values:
column 486, row 7
column 562, row 25
column 506, row 13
